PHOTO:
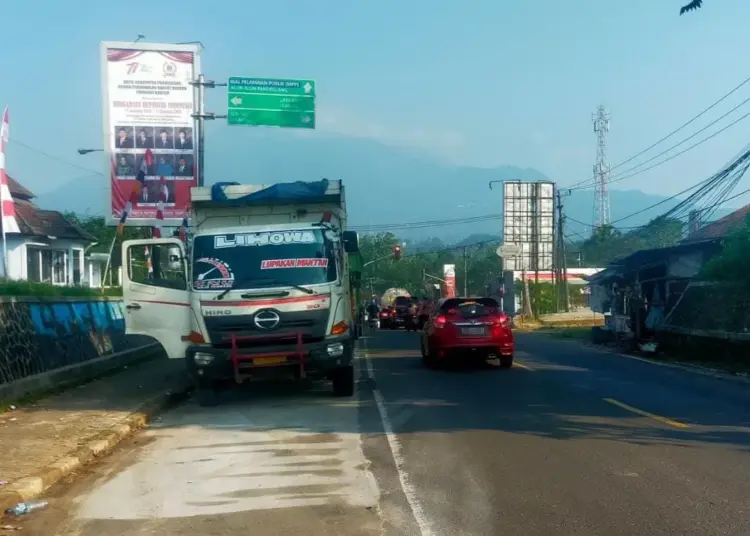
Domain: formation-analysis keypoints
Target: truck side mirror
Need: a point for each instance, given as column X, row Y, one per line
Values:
column 175, row 258
column 351, row 241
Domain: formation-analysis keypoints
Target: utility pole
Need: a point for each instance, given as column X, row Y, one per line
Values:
column 466, row 275
column 601, row 168
column 561, row 264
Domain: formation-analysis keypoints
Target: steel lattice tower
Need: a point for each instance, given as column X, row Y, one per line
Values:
column 601, row 168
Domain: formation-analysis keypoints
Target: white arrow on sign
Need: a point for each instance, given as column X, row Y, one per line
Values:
column 307, row 87
column 236, row 101
column 508, row 250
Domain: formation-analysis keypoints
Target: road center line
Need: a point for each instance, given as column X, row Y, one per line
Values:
column 643, row 413
column 395, row 445
column 521, row 365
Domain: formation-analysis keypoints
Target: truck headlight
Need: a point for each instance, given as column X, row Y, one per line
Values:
column 202, row 358
column 336, row 349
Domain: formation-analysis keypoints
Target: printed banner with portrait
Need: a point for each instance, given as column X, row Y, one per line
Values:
column 149, row 130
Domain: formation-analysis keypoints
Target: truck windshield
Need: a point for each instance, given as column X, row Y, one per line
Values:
column 252, row 260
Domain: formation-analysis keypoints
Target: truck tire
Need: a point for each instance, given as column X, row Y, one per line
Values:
column 343, row 381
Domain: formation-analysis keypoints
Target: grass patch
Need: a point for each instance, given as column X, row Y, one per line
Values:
column 15, row 288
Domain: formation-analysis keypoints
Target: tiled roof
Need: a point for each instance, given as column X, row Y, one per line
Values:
column 721, row 228
column 18, row 191
column 34, row 221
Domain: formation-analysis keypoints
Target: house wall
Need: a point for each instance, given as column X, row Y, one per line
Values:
column 18, row 256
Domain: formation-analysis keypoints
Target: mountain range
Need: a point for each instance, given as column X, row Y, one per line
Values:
column 384, row 185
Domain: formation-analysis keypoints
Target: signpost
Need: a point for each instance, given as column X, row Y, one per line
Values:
column 271, row 102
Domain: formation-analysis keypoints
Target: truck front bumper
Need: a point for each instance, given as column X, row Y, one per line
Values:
column 247, row 361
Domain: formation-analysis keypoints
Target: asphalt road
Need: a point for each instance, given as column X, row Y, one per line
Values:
column 570, row 441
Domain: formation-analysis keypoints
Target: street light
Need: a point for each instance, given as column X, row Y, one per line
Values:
column 87, row 151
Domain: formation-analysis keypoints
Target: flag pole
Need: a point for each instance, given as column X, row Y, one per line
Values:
column 4, row 136
column 109, row 262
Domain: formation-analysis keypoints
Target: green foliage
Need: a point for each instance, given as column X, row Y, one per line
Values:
column 731, row 265
column 608, row 244
column 104, row 234
column 9, row 287
column 482, row 265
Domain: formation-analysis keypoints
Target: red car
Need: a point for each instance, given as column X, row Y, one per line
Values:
column 467, row 328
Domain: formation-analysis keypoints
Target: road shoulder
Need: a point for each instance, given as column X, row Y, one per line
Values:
column 55, row 436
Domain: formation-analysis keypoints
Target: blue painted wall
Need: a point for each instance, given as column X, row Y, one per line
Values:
column 37, row 337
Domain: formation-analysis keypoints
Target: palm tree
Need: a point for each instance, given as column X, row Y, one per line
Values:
column 692, row 6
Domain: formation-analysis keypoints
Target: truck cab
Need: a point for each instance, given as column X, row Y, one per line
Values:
column 263, row 289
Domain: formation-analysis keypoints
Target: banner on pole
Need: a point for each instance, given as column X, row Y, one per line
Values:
column 148, row 102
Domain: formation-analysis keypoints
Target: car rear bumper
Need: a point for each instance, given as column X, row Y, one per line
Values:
column 485, row 348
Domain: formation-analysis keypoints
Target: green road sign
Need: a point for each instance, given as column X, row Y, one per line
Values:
column 271, row 102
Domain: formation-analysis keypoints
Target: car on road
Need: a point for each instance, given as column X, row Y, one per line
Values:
column 468, row 329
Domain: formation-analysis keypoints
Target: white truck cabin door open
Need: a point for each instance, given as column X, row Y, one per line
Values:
column 155, row 289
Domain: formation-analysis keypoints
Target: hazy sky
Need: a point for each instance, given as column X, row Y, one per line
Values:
column 481, row 82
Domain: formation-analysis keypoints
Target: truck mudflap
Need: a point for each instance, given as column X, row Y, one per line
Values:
column 242, row 361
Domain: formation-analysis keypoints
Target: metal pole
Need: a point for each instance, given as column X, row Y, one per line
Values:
column 5, row 244
column 200, row 127
column 466, row 275
column 109, row 262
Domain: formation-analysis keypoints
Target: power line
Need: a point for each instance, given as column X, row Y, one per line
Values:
column 686, row 139
column 657, row 164
column 675, row 131
column 53, row 157
column 421, row 224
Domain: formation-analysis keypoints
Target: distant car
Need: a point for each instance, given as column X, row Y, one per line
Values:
column 473, row 329
column 386, row 318
column 401, row 311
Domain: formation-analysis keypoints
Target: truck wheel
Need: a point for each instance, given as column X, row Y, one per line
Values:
column 343, row 381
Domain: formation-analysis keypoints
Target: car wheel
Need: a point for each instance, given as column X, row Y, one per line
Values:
column 506, row 361
column 343, row 381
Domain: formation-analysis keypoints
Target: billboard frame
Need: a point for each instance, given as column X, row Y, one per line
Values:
column 104, row 46
column 535, row 234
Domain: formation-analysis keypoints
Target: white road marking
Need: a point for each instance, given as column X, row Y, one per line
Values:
column 417, row 510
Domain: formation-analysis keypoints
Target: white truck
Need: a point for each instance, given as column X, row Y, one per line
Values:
column 262, row 291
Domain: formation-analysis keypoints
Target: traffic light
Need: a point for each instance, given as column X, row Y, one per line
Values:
column 397, row 252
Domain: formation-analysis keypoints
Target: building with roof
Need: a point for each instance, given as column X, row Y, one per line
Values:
column 50, row 248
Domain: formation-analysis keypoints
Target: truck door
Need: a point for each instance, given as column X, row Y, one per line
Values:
column 156, row 292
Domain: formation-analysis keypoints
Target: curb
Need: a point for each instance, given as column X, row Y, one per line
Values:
column 33, row 486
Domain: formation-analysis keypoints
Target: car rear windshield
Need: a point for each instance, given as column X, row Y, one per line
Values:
column 402, row 300
column 471, row 307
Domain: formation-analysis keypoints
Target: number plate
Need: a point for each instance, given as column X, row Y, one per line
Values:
column 269, row 360
column 473, row 331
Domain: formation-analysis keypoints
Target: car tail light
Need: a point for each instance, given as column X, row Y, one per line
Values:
column 501, row 320
column 441, row 321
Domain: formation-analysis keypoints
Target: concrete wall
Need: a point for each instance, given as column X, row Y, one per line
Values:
column 39, row 336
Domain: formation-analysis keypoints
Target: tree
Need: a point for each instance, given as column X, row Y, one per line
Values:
column 692, row 6
column 482, row 265
column 730, row 266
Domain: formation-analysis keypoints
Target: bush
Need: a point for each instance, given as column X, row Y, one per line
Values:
column 10, row 287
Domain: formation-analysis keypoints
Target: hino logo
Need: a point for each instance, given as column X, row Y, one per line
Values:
column 217, row 312
column 267, row 319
